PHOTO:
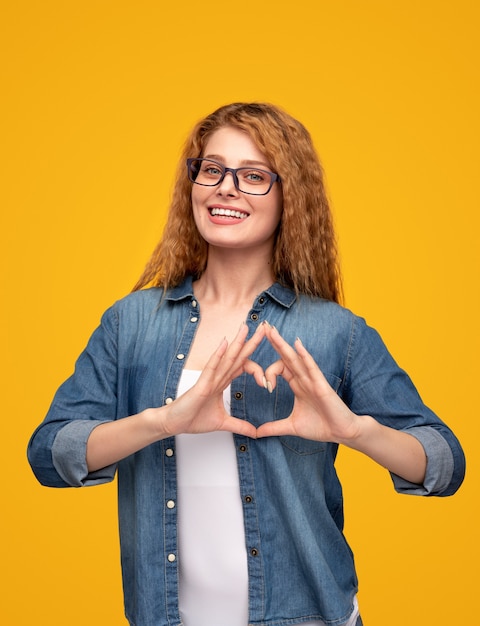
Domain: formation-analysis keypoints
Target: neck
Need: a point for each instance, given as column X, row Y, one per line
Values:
column 234, row 276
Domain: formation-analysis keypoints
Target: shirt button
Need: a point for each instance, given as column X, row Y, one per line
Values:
column 254, row 552
column 242, row 448
column 180, row 357
column 169, row 452
column 194, row 304
column 171, row 558
column 238, row 395
column 194, row 319
column 261, row 300
column 254, row 317
column 168, row 400
column 248, row 499
column 170, row 504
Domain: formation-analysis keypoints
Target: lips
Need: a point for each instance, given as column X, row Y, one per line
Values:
column 231, row 213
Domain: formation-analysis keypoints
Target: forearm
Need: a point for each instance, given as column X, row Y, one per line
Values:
column 111, row 442
column 397, row 451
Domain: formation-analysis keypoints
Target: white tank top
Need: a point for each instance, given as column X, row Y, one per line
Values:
column 213, row 585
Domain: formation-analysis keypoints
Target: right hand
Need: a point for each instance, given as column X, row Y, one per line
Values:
column 201, row 408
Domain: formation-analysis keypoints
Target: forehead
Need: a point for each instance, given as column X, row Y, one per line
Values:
column 233, row 145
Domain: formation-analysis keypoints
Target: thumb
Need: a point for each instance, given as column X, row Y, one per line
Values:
column 276, row 428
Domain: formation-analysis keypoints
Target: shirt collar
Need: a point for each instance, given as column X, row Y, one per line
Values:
column 282, row 295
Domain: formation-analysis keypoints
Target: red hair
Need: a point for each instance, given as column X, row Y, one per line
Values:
column 305, row 255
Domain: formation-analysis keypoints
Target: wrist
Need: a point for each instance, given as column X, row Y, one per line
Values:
column 153, row 423
column 363, row 432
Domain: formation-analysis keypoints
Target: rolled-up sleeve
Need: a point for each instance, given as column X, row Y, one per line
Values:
column 440, row 465
column 377, row 386
column 69, row 452
column 57, row 448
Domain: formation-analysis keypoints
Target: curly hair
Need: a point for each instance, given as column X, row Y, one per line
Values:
column 305, row 256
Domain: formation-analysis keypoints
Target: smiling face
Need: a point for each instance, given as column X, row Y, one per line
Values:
column 226, row 217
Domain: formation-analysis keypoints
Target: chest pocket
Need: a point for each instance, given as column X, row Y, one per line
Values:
column 297, row 444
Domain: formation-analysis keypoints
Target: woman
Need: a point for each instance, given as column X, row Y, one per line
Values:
column 221, row 392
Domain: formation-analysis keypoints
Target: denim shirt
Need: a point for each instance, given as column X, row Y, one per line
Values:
column 300, row 567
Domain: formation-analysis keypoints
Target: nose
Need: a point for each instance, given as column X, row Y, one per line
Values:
column 227, row 186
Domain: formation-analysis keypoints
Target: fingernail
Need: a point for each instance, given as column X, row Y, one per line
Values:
column 269, row 387
column 299, row 341
column 265, row 383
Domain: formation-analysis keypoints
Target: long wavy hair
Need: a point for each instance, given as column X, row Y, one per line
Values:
column 305, row 256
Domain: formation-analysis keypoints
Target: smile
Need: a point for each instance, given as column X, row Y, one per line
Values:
column 228, row 213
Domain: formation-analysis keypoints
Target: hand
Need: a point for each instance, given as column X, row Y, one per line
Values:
column 201, row 408
column 318, row 412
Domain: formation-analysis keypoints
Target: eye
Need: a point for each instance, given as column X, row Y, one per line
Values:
column 253, row 176
column 212, row 169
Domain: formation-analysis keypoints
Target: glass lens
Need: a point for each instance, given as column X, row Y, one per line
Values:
column 248, row 179
column 253, row 180
column 205, row 172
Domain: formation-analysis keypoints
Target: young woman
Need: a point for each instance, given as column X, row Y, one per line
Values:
column 220, row 390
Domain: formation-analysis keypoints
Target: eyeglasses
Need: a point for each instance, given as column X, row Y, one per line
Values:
column 249, row 180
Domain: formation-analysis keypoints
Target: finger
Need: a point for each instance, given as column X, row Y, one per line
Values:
column 276, row 428
column 214, row 361
column 239, row 427
column 228, row 360
column 255, row 370
column 249, row 346
column 239, row 350
column 283, row 348
column 305, row 355
column 297, row 359
column 273, row 371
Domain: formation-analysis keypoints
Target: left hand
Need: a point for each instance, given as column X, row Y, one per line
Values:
column 318, row 412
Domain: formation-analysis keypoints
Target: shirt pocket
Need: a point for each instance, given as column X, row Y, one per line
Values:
column 307, row 446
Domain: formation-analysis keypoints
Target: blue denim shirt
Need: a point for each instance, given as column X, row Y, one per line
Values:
column 300, row 567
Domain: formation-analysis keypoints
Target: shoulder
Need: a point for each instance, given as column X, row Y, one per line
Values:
column 333, row 323
column 154, row 299
column 132, row 311
column 319, row 309
column 143, row 300
column 310, row 308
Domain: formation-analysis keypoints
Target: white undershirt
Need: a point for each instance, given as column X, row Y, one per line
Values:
column 213, row 587
column 211, row 538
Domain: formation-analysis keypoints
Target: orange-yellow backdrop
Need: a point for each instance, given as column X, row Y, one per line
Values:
column 97, row 97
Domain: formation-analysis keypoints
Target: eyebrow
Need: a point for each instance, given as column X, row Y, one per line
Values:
column 217, row 157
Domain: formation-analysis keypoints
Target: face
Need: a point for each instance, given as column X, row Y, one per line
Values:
column 226, row 217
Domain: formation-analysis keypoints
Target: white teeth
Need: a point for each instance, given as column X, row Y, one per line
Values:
column 228, row 213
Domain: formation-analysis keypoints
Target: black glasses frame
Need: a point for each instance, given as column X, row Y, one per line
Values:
column 192, row 175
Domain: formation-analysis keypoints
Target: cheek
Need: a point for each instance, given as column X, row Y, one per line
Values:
column 196, row 198
column 277, row 206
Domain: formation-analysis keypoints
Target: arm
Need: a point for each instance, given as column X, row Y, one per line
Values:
column 199, row 410
column 402, row 432
column 320, row 414
column 81, row 439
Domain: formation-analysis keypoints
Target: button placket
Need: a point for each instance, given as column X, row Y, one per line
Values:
column 245, row 449
column 256, row 313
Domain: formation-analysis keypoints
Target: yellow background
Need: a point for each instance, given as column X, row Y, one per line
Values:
column 97, row 97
